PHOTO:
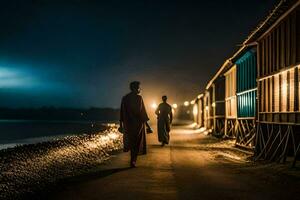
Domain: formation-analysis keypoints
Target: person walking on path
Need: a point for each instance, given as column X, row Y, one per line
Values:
column 164, row 121
column 133, row 121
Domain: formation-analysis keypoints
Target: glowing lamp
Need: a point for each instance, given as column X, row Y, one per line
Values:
column 154, row 105
column 174, row 106
column 193, row 102
column 186, row 103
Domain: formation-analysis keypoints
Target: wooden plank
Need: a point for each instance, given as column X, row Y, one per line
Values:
column 273, row 94
column 293, row 38
column 262, row 96
column 266, row 95
column 274, row 51
column 270, row 54
column 298, row 35
column 288, row 41
column 288, row 91
column 262, row 56
column 270, row 94
column 278, row 60
column 296, row 90
column 276, row 93
column 282, row 49
column 258, row 59
column 279, row 90
column 283, row 91
column 267, row 56
column 291, row 89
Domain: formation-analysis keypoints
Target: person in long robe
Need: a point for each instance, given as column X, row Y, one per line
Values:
column 164, row 121
column 133, row 121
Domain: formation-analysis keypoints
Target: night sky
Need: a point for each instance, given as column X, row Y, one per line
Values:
column 84, row 53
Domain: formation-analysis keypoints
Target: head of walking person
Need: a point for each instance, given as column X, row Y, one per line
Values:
column 135, row 87
column 164, row 98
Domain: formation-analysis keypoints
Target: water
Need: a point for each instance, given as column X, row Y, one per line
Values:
column 16, row 132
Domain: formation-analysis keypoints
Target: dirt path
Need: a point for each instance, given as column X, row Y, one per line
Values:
column 193, row 166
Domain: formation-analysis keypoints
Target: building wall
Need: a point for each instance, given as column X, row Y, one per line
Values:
column 280, row 48
column 279, row 64
column 246, row 84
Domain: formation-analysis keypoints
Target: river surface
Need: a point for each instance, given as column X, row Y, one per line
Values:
column 16, row 132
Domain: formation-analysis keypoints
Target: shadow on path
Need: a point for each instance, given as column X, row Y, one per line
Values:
column 93, row 175
column 77, row 180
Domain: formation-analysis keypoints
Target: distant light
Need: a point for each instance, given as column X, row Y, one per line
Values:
column 206, row 107
column 199, row 96
column 186, row 103
column 193, row 102
column 213, row 104
column 174, row 106
column 154, row 105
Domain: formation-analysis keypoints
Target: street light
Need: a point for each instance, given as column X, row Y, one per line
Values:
column 154, row 105
column 186, row 103
column 174, row 106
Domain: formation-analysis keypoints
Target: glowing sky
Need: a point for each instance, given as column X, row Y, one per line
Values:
column 84, row 53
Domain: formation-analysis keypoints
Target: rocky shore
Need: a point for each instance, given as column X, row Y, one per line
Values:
column 28, row 169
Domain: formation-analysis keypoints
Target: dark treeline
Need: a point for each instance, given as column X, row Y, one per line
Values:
column 53, row 113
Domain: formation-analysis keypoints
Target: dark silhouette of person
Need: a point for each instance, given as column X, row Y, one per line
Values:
column 133, row 121
column 164, row 121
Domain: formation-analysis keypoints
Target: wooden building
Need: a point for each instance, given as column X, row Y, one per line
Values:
column 245, row 69
column 216, row 89
column 278, row 55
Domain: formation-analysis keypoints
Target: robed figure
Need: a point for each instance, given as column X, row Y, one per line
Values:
column 133, row 119
column 164, row 121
